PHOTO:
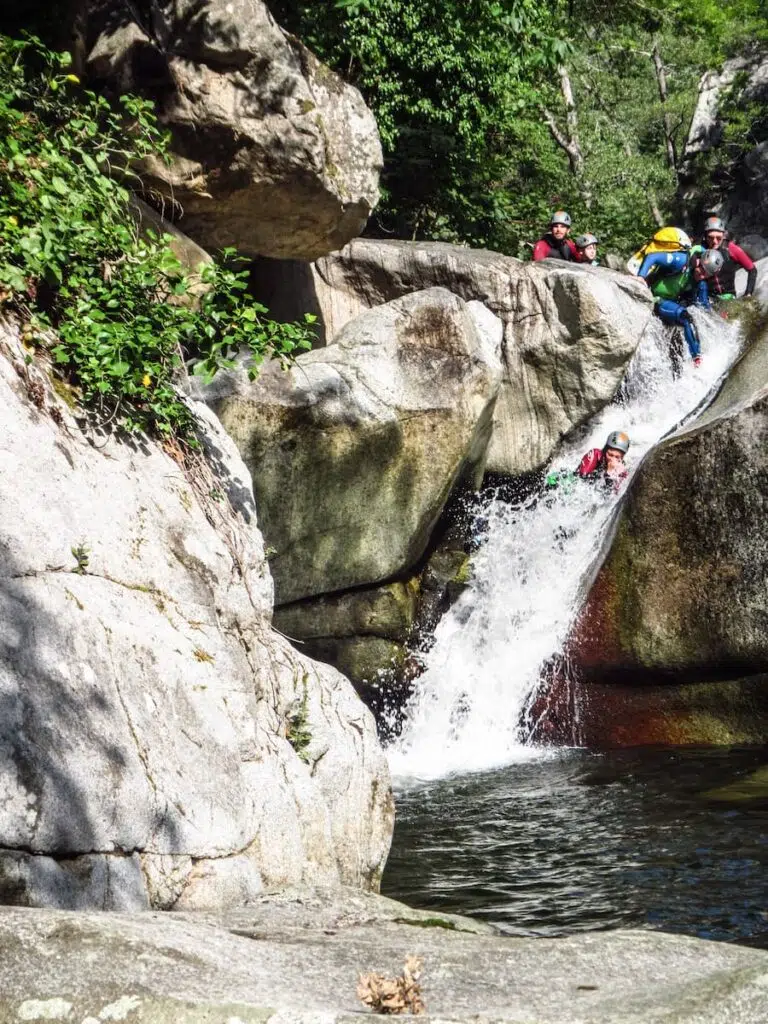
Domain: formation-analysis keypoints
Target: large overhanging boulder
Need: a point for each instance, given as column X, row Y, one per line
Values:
column 355, row 450
column 271, row 151
column 569, row 331
column 682, row 597
column 160, row 745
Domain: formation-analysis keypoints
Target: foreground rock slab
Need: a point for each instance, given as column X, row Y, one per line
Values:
column 297, row 957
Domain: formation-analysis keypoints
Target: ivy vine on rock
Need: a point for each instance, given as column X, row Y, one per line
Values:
column 106, row 301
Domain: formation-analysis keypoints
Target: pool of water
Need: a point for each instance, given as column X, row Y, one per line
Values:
column 669, row 839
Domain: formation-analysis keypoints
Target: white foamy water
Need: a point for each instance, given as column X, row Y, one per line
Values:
column 466, row 712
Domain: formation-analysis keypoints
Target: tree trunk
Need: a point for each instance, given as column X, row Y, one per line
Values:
column 661, row 81
column 568, row 140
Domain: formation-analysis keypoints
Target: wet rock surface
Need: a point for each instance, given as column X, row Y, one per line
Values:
column 297, row 957
column 681, row 597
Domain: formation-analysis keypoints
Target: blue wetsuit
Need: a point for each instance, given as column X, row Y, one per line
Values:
column 673, row 286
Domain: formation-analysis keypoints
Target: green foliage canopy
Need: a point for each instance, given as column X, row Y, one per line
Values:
column 461, row 90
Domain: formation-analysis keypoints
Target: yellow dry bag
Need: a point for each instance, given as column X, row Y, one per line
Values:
column 665, row 240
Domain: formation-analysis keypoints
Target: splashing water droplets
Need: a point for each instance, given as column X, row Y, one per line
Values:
column 468, row 708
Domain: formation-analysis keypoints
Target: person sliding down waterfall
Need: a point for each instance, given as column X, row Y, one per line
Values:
column 600, row 465
column 722, row 287
column 556, row 245
column 678, row 280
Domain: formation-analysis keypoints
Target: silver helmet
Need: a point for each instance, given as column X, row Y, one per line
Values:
column 713, row 224
column 560, row 217
column 711, row 262
column 619, row 440
column 582, row 241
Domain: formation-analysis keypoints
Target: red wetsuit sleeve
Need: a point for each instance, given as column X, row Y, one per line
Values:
column 738, row 255
column 541, row 250
column 590, row 462
column 578, row 256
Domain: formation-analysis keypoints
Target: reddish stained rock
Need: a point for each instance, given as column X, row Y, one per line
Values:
column 605, row 716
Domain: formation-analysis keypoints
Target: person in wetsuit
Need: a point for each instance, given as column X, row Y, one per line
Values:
column 678, row 280
column 555, row 244
column 723, row 285
column 586, row 246
column 599, row 466
column 606, row 464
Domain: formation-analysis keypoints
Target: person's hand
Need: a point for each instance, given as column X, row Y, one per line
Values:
column 697, row 361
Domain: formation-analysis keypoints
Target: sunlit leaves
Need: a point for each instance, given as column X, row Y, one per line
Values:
column 72, row 262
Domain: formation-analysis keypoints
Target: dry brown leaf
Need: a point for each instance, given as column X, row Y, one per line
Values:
column 393, row 995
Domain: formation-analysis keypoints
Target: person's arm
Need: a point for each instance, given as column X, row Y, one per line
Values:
column 541, row 250
column 590, row 462
column 577, row 256
column 702, row 295
column 672, row 261
column 738, row 255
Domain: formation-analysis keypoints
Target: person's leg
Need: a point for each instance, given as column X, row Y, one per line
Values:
column 673, row 313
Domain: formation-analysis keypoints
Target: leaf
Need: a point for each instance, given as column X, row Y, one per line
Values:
column 401, row 994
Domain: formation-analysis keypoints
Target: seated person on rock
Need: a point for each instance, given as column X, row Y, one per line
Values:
column 678, row 280
column 600, row 465
column 586, row 246
column 556, row 245
column 723, row 285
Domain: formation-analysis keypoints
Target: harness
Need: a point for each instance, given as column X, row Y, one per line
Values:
column 558, row 250
column 672, row 286
column 724, row 283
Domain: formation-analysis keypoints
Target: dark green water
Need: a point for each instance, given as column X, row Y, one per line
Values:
column 675, row 840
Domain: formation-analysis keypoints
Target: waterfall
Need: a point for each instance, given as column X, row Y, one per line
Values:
column 466, row 712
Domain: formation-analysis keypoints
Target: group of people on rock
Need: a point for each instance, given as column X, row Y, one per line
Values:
column 556, row 245
column 679, row 275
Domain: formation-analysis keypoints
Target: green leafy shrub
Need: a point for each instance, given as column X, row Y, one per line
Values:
column 297, row 730
column 112, row 306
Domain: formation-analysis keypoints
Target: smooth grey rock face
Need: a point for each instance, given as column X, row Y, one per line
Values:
column 271, row 151
column 755, row 246
column 761, row 285
column 568, row 331
column 683, row 594
column 145, row 703
column 355, row 450
column 568, row 342
column 296, row 957
column 743, row 205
